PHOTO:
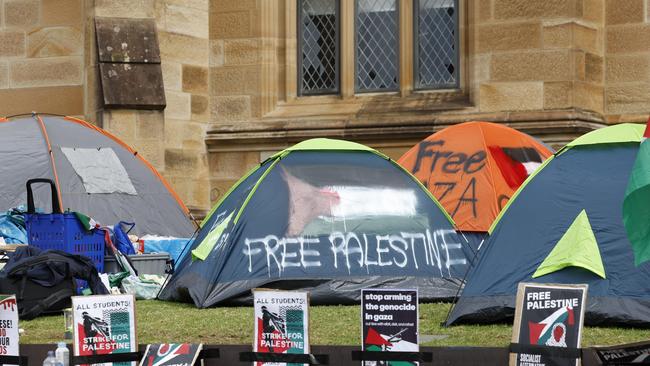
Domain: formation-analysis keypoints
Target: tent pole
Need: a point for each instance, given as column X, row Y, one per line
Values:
column 49, row 149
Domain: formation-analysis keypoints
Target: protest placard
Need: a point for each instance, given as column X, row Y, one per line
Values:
column 548, row 315
column 633, row 353
column 281, row 322
column 171, row 354
column 104, row 324
column 9, row 336
column 389, row 322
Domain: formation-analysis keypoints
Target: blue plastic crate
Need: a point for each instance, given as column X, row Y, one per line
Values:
column 64, row 232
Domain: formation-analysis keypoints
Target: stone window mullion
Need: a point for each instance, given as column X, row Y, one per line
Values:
column 424, row 33
column 347, row 48
column 406, row 46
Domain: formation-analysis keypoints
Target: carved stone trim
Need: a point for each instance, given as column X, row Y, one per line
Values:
column 555, row 127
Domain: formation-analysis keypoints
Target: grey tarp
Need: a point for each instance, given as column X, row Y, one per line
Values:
column 24, row 155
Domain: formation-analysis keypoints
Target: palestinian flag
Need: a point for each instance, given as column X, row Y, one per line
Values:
column 375, row 341
column 378, row 342
column 515, row 164
column 87, row 222
column 636, row 211
column 552, row 330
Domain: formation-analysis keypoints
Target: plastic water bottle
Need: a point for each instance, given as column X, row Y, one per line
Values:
column 50, row 360
column 62, row 354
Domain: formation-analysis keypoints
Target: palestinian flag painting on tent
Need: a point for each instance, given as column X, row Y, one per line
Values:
column 473, row 169
column 327, row 216
column 576, row 237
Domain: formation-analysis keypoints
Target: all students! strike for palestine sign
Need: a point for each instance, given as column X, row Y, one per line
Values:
column 9, row 337
column 548, row 315
column 389, row 322
column 104, row 324
column 281, row 322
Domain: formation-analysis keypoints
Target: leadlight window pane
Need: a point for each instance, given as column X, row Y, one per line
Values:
column 377, row 45
column 318, row 54
column 437, row 44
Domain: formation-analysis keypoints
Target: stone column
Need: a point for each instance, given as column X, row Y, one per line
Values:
column 236, row 60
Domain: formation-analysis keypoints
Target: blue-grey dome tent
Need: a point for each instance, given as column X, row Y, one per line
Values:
column 564, row 225
column 327, row 216
column 95, row 172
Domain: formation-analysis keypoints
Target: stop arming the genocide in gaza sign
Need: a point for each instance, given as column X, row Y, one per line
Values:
column 389, row 322
column 548, row 315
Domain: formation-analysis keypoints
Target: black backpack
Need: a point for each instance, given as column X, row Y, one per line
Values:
column 44, row 281
column 33, row 298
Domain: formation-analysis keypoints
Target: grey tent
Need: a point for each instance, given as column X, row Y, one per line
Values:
column 96, row 174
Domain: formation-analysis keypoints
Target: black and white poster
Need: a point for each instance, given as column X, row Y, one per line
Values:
column 548, row 315
column 634, row 353
column 389, row 322
column 171, row 354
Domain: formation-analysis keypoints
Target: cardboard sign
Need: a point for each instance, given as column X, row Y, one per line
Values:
column 104, row 324
column 633, row 353
column 389, row 322
column 9, row 336
column 548, row 315
column 171, row 354
column 281, row 322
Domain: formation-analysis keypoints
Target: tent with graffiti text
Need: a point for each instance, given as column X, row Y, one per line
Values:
column 565, row 225
column 473, row 168
column 326, row 216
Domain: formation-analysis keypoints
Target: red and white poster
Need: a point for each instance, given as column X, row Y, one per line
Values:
column 9, row 336
column 281, row 323
column 104, row 324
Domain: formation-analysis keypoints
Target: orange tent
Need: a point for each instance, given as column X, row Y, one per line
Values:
column 473, row 169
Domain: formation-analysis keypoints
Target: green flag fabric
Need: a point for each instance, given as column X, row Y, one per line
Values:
column 577, row 248
column 88, row 223
column 205, row 247
column 636, row 205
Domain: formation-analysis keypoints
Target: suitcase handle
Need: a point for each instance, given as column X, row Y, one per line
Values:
column 56, row 205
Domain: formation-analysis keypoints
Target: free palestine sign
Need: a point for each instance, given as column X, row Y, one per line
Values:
column 548, row 315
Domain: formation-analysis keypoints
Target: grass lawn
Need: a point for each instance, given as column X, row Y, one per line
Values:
column 330, row 325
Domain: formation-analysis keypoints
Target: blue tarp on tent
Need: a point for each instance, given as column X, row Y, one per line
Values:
column 12, row 227
column 591, row 177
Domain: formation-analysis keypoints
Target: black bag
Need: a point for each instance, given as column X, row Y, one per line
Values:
column 35, row 299
column 43, row 281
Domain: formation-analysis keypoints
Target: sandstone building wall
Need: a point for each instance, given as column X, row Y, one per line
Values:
column 552, row 68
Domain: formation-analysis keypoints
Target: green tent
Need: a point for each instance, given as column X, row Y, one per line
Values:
column 327, row 216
